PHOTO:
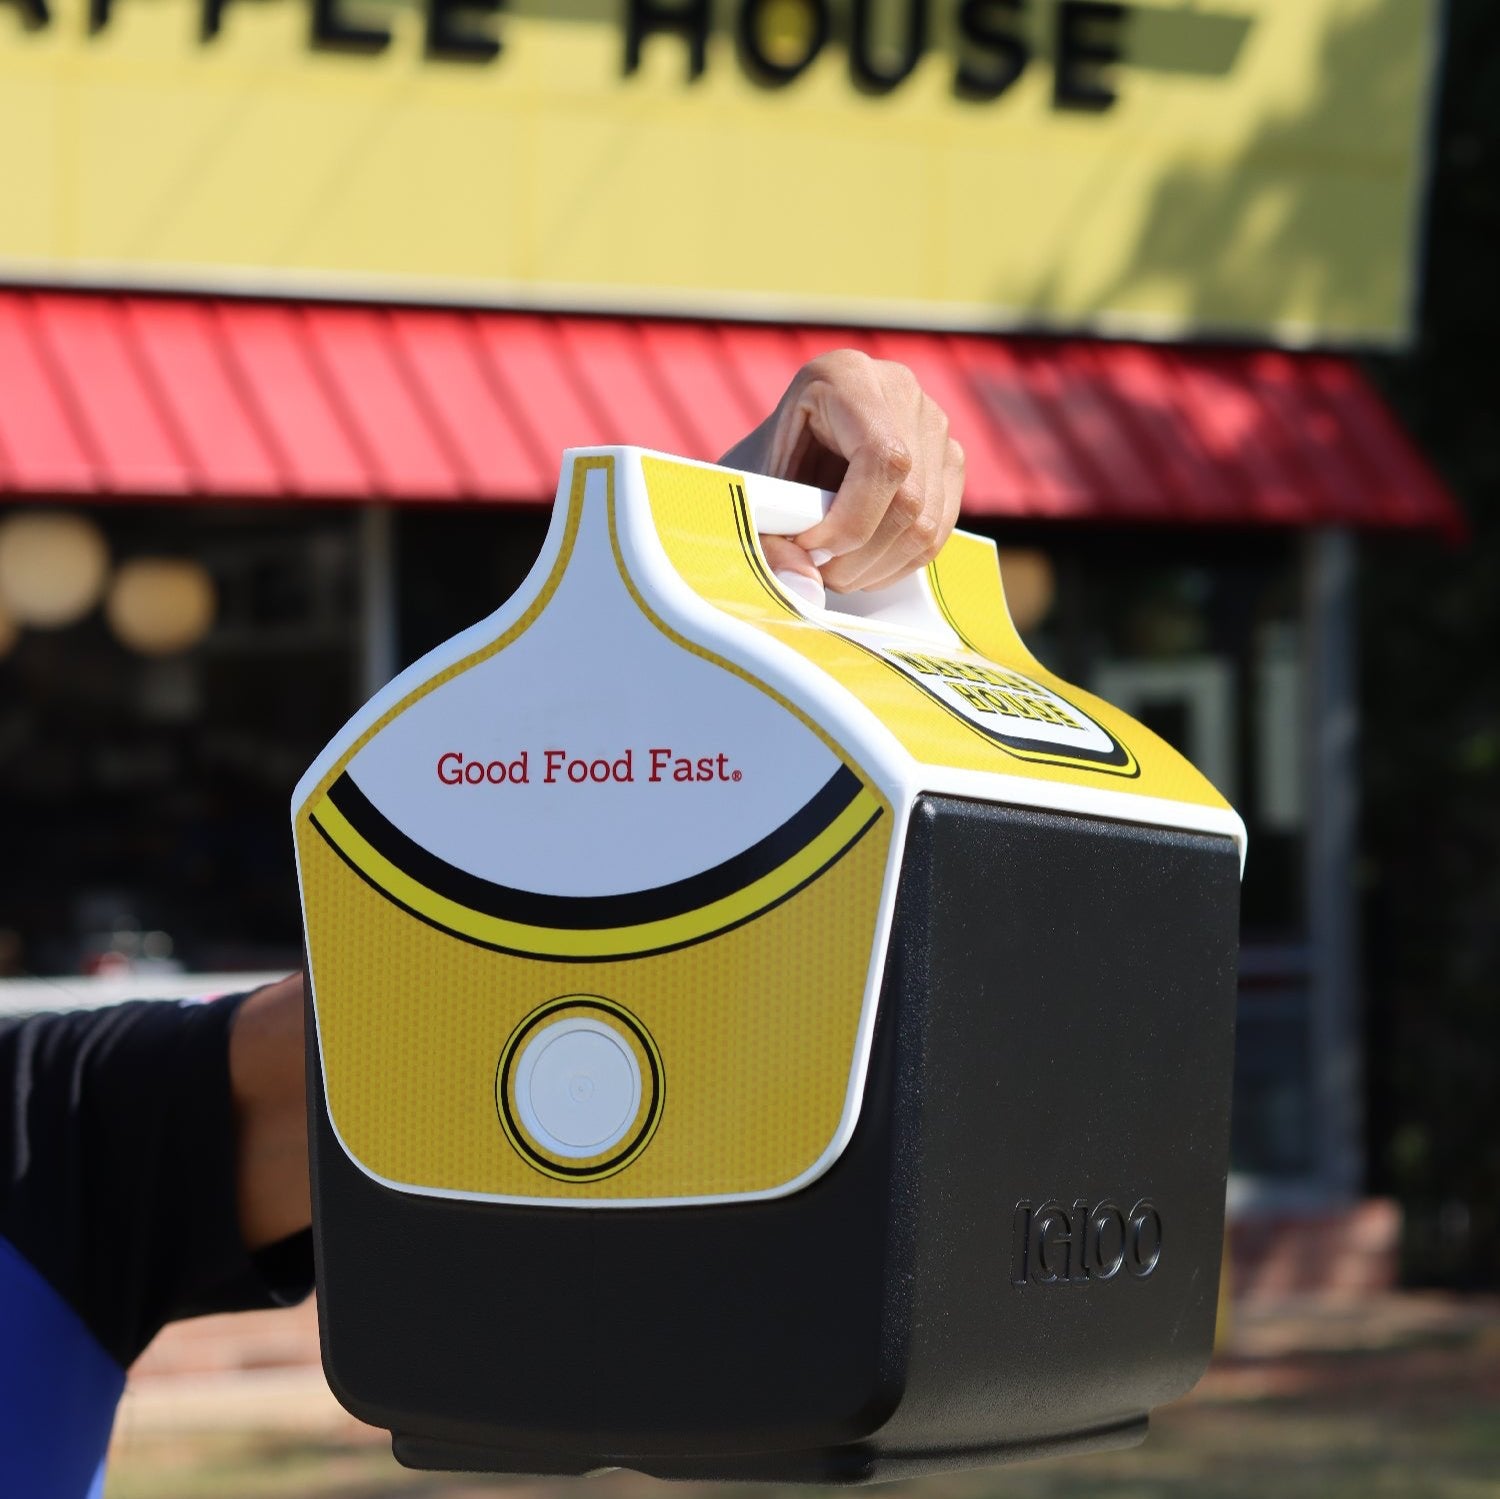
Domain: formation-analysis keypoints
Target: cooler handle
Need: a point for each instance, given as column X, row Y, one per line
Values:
column 780, row 508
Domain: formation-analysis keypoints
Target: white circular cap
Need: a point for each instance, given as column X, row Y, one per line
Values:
column 578, row 1087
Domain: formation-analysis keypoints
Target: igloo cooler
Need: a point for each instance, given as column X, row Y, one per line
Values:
column 753, row 1041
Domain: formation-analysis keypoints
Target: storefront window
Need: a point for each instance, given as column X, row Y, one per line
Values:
column 455, row 566
column 148, row 747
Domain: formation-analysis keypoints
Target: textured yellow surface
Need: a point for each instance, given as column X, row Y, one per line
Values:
column 599, row 942
column 755, row 1029
column 1260, row 169
column 710, row 555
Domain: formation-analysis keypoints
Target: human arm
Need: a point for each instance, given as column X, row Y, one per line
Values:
column 120, row 1159
column 268, row 1089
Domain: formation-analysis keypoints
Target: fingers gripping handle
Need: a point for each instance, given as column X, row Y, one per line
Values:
column 781, row 508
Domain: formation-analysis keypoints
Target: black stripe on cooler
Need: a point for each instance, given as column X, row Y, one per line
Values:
column 594, row 912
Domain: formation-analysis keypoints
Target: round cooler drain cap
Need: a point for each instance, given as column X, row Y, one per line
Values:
column 578, row 1087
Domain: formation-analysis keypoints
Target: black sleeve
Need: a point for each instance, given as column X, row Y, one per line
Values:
column 117, row 1168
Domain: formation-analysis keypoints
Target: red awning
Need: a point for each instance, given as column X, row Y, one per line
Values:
column 145, row 397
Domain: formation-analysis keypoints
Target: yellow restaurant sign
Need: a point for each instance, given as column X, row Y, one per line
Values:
column 1239, row 166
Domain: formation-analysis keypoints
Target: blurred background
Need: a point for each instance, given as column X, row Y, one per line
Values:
column 299, row 304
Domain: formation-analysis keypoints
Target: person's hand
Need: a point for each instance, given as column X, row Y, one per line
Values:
column 864, row 428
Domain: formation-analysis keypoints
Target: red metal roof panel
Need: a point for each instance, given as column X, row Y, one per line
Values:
column 608, row 359
column 525, row 356
column 1143, row 383
column 762, row 360
column 692, row 361
column 1056, row 485
column 91, row 354
column 40, row 447
column 269, row 348
column 355, row 352
column 180, row 344
column 1238, row 436
column 1082, row 402
column 495, row 455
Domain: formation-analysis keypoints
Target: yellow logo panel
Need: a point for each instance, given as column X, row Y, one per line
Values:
column 755, row 1029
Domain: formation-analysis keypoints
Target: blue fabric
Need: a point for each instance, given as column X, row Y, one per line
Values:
column 58, row 1391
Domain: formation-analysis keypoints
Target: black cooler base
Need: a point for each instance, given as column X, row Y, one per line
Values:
column 857, row 1463
column 1016, row 1256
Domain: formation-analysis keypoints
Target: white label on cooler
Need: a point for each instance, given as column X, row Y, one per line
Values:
column 593, row 755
